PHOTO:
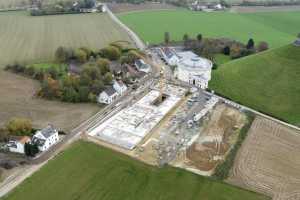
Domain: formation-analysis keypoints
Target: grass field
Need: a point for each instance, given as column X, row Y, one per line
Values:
column 268, row 82
column 277, row 28
column 89, row 172
column 27, row 38
column 48, row 65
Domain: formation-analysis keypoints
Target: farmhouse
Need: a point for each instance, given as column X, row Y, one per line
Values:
column 16, row 144
column 45, row 138
column 142, row 66
column 108, row 95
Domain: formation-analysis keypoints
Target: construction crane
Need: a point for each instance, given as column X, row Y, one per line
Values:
column 161, row 84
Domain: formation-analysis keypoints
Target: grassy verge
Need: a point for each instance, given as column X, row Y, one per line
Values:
column 89, row 172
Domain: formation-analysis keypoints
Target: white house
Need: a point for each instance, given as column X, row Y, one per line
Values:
column 142, row 66
column 45, row 138
column 120, row 87
column 108, row 96
column 170, row 56
column 17, row 144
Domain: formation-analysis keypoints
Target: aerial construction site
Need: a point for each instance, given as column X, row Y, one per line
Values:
column 171, row 124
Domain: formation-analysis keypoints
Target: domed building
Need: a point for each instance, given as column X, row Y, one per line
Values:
column 190, row 67
column 193, row 69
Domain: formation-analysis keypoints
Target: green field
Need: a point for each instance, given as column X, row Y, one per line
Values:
column 269, row 82
column 48, row 65
column 89, row 172
column 276, row 28
column 28, row 38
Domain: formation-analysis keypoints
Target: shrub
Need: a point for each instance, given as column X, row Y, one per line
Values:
column 81, row 55
column 31, row 149
column 19, row 126
column 103, row 65
column 61, row 54
column 30, row 70
column 111, row 53
column 70, row 95
column 263, row 46
column 226, row 50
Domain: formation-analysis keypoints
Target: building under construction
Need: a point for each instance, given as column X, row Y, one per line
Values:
column 128, row 127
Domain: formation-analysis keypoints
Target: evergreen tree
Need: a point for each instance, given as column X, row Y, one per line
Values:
column 250, row 44
column 167, row 37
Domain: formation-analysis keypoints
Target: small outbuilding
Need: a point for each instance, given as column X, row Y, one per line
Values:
column 16, row 144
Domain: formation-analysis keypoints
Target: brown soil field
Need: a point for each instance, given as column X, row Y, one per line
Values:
column 224, row 124
column 28, row 39
column 252, row 9
column 127, row 7
column 269, row 161
column 17, row 100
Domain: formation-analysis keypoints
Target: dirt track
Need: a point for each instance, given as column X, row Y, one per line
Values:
column 269, row 161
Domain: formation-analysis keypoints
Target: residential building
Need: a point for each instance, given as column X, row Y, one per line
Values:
column 108, row 96
column 17, row 144
column 120, row 87
column 45, row 138
column 142, row 66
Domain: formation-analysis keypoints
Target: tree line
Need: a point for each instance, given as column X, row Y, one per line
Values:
column 90, row 77
column 208, row 47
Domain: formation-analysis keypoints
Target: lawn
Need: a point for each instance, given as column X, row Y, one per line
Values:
column 49, row 65
column 89, row 172
column 277, row 28
column 269, row 82
column 221, row 59
column 35, row 39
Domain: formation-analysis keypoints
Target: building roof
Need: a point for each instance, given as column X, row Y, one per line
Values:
column 168, row 52
column 190, row 60
column 297, row 42
column 48, row 131
column 110, row 91
column 120, row 83
column 141, row 64
column 20, row 139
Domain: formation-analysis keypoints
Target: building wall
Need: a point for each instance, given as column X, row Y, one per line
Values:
column 185, row 75
column 19, row 149
column 53, row 139
column 104, row 98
